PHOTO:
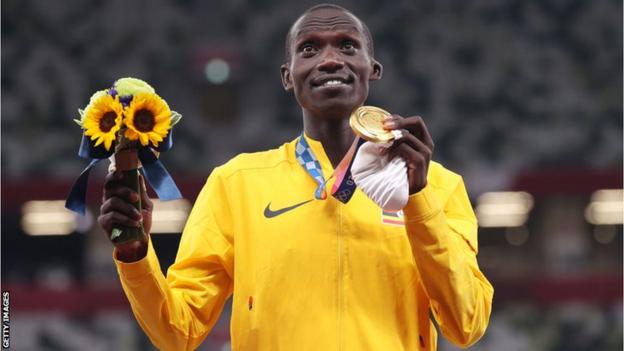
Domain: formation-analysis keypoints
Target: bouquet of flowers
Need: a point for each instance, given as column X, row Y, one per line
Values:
column 130, row 124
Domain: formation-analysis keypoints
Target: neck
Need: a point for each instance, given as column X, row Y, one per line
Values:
column 334, row 133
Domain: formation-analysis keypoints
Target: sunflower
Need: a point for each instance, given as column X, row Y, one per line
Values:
column 148, row 119
column 102, row 119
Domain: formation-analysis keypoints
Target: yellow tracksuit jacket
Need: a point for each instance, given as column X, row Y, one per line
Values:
column 318, row 276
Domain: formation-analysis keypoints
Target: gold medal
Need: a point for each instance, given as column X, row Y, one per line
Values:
column 367, row 122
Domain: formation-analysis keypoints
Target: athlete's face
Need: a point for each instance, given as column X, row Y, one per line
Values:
column 330, row 65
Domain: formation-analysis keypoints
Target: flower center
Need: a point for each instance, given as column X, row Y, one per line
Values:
column 144, row 120
column 107, row 122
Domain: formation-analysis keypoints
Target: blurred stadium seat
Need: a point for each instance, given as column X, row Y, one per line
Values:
column 518, row 95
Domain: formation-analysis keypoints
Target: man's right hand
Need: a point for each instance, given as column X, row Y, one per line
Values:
column 117, row 209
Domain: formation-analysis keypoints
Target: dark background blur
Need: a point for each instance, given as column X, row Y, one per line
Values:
column 523, row 98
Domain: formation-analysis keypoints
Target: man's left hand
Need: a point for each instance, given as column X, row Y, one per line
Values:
column 415, row 146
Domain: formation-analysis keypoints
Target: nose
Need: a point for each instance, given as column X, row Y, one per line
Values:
column 330, row 61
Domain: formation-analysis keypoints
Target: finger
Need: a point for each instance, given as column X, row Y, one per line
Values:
column 413, row 158
column 111, row 219
column 426, row 136
column 413, row 142
column 121, row 191
column 112, row 179
column 106, row 225
column 417, row 166
column 146, row 202
column 391, row 121
column 416, row 125
column 116, row 204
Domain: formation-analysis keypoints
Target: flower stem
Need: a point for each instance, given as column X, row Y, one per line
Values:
column 127, row 161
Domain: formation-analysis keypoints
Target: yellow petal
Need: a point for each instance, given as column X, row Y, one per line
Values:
column 107, row 143
column 144, row 139
column 130, row 134
column 155, row 137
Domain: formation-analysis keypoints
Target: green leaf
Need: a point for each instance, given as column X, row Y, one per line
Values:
column 79, row 121
column 175, row 118
column 115, row 233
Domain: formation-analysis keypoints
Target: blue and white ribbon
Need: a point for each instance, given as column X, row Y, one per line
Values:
column 310, row 163
column 344, row 188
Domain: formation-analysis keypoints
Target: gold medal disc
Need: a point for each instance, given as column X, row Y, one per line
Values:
column 367, row 122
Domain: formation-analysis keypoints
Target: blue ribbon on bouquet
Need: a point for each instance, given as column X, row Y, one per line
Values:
column 153, row 170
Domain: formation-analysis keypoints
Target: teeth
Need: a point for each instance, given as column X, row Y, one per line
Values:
column 332, row 82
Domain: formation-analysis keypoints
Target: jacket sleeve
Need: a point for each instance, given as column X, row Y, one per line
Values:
column 442, row 230
column 178, row 311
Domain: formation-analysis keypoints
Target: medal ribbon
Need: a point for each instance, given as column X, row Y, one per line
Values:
column 344, row 186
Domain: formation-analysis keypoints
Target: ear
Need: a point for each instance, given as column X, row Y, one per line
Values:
column 286, row 77
column 377, row 71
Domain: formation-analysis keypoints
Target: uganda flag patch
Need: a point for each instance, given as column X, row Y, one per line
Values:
column 392, row 218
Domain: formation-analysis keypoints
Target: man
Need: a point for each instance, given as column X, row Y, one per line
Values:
column 309, row 273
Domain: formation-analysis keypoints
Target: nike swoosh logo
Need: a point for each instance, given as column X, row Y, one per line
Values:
column 268, row 213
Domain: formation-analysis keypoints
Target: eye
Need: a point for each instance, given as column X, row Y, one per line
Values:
column 307, row 49
column 347, row 45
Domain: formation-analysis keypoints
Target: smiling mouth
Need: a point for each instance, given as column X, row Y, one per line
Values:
column 332, row 83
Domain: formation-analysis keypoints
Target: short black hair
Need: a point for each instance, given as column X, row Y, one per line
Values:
column 367, row 33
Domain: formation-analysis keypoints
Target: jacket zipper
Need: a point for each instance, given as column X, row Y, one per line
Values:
column 340, row 277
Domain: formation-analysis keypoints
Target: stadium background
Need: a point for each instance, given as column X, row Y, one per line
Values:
column 523, row 98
